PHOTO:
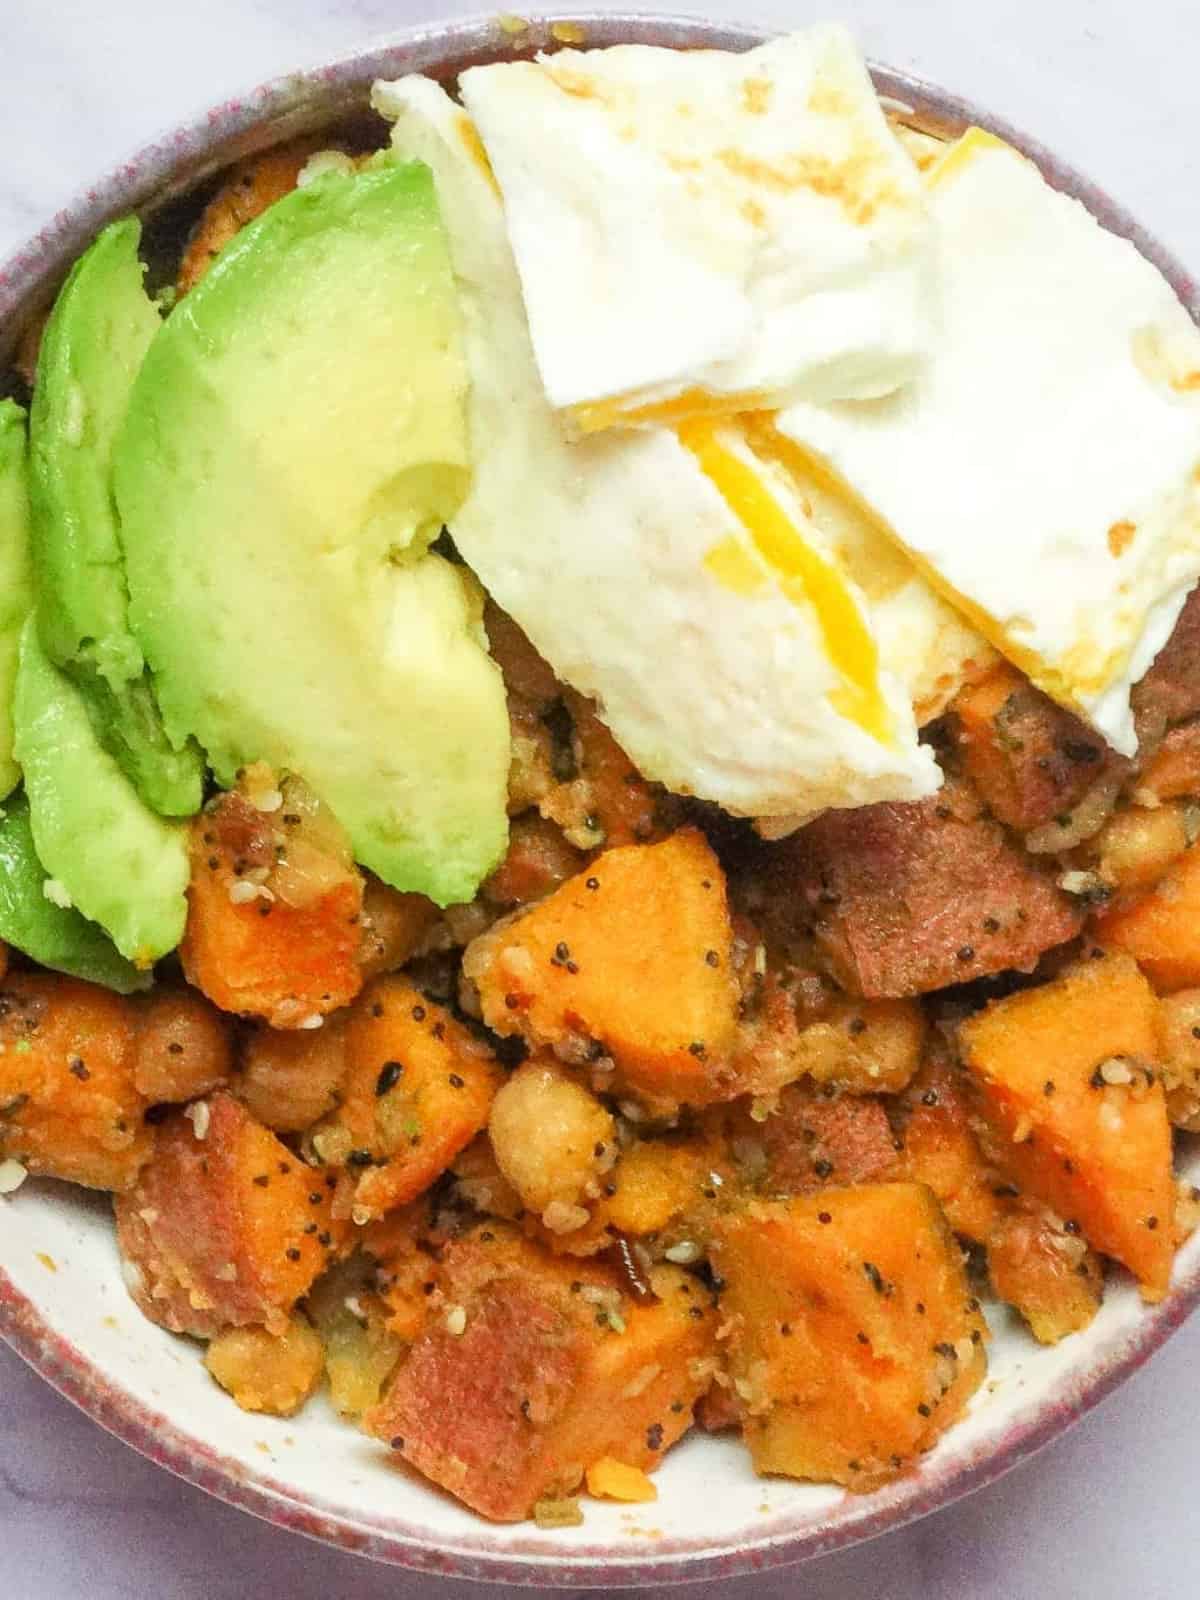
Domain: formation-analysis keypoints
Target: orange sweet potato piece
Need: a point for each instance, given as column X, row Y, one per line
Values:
column 630, row 958
column 908, row 898
column 271, row 1372
column 1028, row 758
column 1174, row 769
column 418, row 1088
column 1161, row 931
column 226, row 1227
column 856, row 1340
column 182, row 1046
column 249, row 189
column 290, row 1080
column 1045, row 1271
column 810, row 1139
column 1138, row 844
column 939, row 1148
column 271, row 935
column 1068, row 1090
column 532, row 1369
column 69, row 1105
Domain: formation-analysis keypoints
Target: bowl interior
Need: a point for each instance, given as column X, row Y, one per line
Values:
column 62, row 1301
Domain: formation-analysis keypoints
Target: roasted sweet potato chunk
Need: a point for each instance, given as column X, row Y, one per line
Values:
column 939, row 1148
column 1174, row 769
column 630, row 959
column 811, row 1138
column 1068, row 1076
column 1170, row 691
column 271, row 1372
column 247, row 191
column 1161, row 931
column 182, row 1046
column 418, row 1088
column 531, row 1370
column 1029, row 760
column 1041, row 1267
column 226, row 1227
column 856, row 1340
column 910, row 898
column 274, row 907
column 69, row 1105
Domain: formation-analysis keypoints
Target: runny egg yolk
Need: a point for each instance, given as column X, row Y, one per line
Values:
column 683, row 407
column 805, row 576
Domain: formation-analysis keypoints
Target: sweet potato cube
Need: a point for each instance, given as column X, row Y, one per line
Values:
column 630, row 958
column 1068, row 1081
column 940, row 1149
column 226, row 1227
column 534, row 1369
column 275, row 1373
column 909, row 898
column 286, row 948
column 418, row 1088
column 810, row 1139
column 69, row 1105
column 1161, row 931
column 1174, row 769
column 1028, row 758
column 856, row 1340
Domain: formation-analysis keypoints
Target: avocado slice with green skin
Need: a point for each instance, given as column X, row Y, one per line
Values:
column 295, row 440
column 16, row 575
column 121, row 864
column 49, row 934
column 99, row 331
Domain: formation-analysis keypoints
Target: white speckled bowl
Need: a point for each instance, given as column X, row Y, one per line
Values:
column 62, row 1302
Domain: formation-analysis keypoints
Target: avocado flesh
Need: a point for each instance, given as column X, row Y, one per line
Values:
column 49, row 934
column 294, row 441
column 122, row 865
column 99, row 331
column 16, row 577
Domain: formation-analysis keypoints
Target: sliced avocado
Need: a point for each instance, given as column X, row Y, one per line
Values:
column 124, row 866
column 101, row 327
column 50, row 934
column 295, row 440
column 16, row 577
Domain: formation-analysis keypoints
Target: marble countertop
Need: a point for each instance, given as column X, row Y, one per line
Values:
column 1107, row 1512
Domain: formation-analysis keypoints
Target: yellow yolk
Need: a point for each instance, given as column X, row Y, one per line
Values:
column 618, row 412
column 962, row 152
column 474, row 144
column 733, row 565
column 804, row 575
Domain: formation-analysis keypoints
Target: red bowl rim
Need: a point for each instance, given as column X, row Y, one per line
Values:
column 168, row 166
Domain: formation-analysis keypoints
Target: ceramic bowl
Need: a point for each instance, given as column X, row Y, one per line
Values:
column 62, row 1302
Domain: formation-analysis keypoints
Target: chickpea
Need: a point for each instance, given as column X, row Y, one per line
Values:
column 289, row 1080
column 1137, row 846
column 181, row 1046
column 552, row 1139
column 1181, row 1057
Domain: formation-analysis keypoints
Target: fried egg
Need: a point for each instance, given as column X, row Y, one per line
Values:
column 1042, row 470
column 671, row 573
column 702, row 231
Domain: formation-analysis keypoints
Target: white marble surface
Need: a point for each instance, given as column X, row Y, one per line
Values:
column 1108, row 1512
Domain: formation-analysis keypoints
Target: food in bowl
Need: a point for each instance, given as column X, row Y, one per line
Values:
column 664, row 951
